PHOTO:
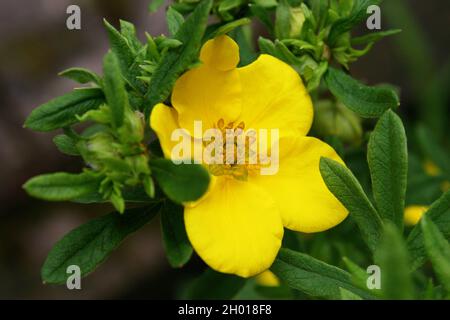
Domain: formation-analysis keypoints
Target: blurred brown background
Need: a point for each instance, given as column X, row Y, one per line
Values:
column 34, row 46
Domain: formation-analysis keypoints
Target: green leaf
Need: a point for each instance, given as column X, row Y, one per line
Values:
column 62, row 186
column 227, row 8
column 431, row 148
column 374, row 37
column 120, row 47
column 345, row 24
column 359, row 275
column 392, row 258
column 176, row 61
column 348, row 295
column 114, row 88
column 221, row 29
column 281, row 292
column 63, row 111
column 439, row 214
column 368, row 102
column 154, row 5
column 320, row 10
column 283, row 20
column 177, row 245
column 387, row 156
column 174, row 20
column 312, row 276
column 130, row 194
column 81, row 75
column 128, row 30
column 438, row 249
column 181, row 183
column 66, row 145
column 90, row 244
column 343, row 184
column 215, row 286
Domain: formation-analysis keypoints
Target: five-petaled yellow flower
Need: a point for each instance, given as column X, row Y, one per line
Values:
column 237, row 226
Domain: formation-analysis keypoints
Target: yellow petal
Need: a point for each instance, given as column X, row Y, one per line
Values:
column 305, row 203
column 208, row 93
column 164, row 120
column 413, row 214
column 236, row 229
column 267, row 279
column 221, row 53
column 273, row 96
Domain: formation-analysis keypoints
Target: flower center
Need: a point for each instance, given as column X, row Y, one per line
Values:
column 238, row 154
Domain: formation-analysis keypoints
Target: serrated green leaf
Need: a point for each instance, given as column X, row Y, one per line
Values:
column 368, row 102
column 181, row 183
column 387, row 156
column 438, row 250
column 312, row 276
column 215, row 286
column 439, row 214
column 120, row 47
column 63, row 111
column 343, row 184
column 345, row 24
column 81, row 75
column 174, row 20
column 66, row 145
column 177, row 245
column 128, row 30
column 392, row 258
column 114, row 88
column 178, row 60
column 90, row 244
column 62, row 186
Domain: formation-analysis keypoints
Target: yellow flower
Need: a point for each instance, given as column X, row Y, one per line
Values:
column 237, row 226
column 267, row 279
column 413, row 214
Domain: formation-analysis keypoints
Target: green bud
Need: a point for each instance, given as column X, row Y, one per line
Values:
column 99, row 146
column 132, row 130
column 117, row 201
column 297, row 19
column 139, row 164
column 101, row 115
column 149, row 186
column 334, row 119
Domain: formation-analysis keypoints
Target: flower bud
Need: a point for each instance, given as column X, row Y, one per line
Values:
column 334, row 119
